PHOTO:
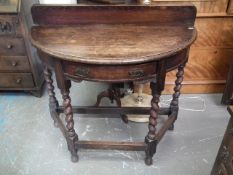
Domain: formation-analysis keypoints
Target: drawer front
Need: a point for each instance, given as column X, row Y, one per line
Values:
column 9, row 24
column 14, row 63
column 16, row 80
column 12, row 46
column 110, row 73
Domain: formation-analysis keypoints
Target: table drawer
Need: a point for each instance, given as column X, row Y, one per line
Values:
column 12, row 46
column 14, row 63
column 16, row 80
column 110, row 73
column 9, row 24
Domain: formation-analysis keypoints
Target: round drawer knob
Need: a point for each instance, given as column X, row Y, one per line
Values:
column 18, row 81
column 9, row 46
column 14, row 63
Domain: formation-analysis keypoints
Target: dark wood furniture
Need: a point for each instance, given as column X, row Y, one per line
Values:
column 224, row 162
column 113, row 44
column 20, row 68
column 228, row 92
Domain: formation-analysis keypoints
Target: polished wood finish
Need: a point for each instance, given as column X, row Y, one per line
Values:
column 57, row 15
column 138, row 43
column 224, row 161
column 205, row 8
column 20, row 69
column 209, row 60
column 228, row 92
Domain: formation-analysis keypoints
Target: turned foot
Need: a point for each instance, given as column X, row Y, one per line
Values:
column 171, row 128
column 56, row 125
column 148, row 161
column 74, row 158
column 124, row 118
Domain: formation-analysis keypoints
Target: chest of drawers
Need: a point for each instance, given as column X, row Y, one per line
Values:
column 224, row 161
column 20, row 69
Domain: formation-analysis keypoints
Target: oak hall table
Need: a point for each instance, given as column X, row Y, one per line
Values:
column 113, row 44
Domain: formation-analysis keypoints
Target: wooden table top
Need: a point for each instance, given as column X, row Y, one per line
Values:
column 112, row 44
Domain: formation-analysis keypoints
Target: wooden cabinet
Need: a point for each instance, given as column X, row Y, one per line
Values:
column 224, row 162
column 20, row 69
column 228, row 92
column 212, row 52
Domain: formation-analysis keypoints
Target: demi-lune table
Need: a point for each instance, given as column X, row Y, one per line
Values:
column 113, row 44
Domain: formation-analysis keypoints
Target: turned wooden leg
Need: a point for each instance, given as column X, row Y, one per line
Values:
column 71, row 137
column 151, row 136
column 157, row 87
column 53, row 103
column 175, row 97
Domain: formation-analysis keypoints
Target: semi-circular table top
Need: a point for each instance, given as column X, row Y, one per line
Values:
column 112, row 44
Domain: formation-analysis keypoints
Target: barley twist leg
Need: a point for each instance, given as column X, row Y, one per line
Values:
column 53, row 103
column 175, row 97
column 72, row 137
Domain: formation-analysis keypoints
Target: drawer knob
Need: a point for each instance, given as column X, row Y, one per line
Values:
column 136, row 73
column 18, row 81
column 82, row 72
column 14, row 63
column 9, row 46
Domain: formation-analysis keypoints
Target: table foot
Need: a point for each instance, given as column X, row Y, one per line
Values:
column 150, row 150
column 124, row 118
column 148, row 161
column 74, row 158
column 171, row 128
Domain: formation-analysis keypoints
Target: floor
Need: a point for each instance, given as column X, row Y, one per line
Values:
column 31, row 145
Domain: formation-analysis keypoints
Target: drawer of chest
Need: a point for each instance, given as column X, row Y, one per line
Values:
column 12, row 46
column 9, row 24
column 111, row 73
column 16, row 80
column 14, row 63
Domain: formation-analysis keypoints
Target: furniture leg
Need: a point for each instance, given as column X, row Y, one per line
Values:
column 175, row 97
column 53, row 103
column 71, row 137
column 157, row 87
column 151, row 136
column 112, row 94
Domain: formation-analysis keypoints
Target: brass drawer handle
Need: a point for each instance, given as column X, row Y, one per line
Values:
column 18, row 81
column 82, row 72
column 136, row 73
column 14, row 63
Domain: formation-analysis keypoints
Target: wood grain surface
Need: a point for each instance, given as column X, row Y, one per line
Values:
column 112, row 44
column 209, row 58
